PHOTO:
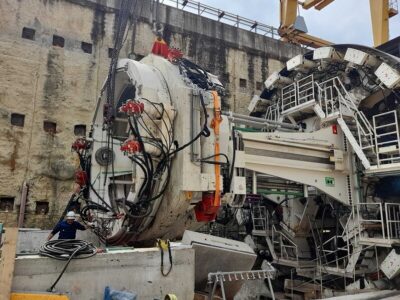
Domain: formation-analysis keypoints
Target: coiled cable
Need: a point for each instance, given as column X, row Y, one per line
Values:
column 67, row 250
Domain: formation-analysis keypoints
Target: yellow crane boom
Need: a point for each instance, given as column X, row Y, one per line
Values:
column 381, row 11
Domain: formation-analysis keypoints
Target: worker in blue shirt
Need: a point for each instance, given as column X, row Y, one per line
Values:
column 67, row 228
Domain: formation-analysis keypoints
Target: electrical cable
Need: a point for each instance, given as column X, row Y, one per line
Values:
column 162, row 246
column 99, row 197
column 204, row 132
column 147, row 160
column 233, row 156
column 84, row 213
column 156, row 168
column 127, row 8
column 66, row 250
column 215, row 155
column 164, row 163
column 74, row 197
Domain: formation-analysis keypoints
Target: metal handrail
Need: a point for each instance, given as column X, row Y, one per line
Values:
column 305, row 89
column 224, row 16
column 334, row 105
column 272, row 112
column 297, row 93
column 283, row 246
column 381, row 221
column 335, row 101
column 392, row 222
column 347, row 248
column 394, row 130
column 289, row 96
column 320, row 267
column 349, row 100
column 259, row 214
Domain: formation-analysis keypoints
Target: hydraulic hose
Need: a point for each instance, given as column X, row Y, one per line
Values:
column 66, row 250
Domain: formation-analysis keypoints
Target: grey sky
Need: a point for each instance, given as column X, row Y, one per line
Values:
column 343, row 21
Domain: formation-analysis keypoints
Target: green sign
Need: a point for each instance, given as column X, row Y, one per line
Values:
column 329, row 181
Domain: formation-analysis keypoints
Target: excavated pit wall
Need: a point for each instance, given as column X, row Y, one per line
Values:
column 54, row 89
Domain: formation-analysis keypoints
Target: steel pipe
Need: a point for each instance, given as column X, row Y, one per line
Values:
column 268, row 123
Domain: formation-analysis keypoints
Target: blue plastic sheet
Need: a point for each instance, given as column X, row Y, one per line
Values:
column 110, row 294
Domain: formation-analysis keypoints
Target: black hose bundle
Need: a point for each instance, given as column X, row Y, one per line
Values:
column 66, row 250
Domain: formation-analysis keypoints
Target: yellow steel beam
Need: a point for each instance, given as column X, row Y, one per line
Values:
column 323, row 4
column 297, row 37
column 288, row 12
column 310, row 3
column 309, row 40
column 317, row 4
column 380, row 21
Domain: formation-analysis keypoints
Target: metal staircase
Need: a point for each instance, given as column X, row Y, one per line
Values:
column 377, row 145
column 283, row 245
column 338, row 104
column 346, row 260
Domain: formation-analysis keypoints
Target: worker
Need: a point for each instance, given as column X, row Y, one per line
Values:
column 68, row 227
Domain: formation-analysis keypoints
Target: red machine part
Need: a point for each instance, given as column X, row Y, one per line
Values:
column 174, row 54
column 81, row 178
column 132, row 107
column 205, row 210
column 80, row 144
column 334, row 129
column 130, row 147
column 160, row 48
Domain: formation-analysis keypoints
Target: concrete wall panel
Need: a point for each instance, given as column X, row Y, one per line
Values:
column 137, row 270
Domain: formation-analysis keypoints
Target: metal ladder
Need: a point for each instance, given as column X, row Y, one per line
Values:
column 260, row 220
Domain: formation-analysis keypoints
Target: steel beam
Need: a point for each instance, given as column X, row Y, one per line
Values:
column 380, row 21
